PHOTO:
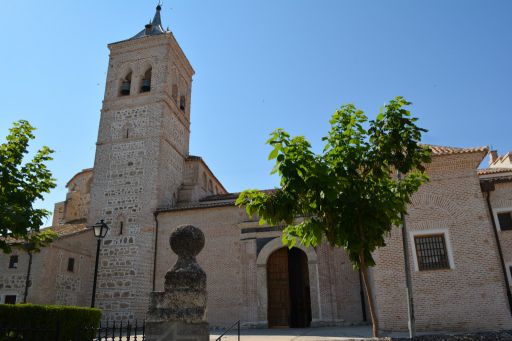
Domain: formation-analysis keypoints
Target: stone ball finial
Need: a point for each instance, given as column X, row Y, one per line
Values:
column 187, row 241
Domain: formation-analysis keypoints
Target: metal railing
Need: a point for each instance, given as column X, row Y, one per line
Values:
column 237, row 324
column 107, row 331
column 121, row 331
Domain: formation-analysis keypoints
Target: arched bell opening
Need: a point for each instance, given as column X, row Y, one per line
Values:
column 146, row 81
column 126, row 84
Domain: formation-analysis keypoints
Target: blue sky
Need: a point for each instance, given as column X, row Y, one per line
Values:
column 262, row 65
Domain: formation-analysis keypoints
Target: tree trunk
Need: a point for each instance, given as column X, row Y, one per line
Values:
column 369, row 295
column 27, row 281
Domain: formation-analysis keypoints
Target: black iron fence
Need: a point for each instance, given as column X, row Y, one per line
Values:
column 121, row 331
column 107, row 331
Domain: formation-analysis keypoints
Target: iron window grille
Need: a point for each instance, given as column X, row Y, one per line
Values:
column 505, row 221
column 431, row 252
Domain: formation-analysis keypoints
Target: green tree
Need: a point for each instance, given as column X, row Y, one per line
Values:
column 21, row 184
column 348, row 194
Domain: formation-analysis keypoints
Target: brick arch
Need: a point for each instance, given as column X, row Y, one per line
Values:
column 440, row 202
column 275, row 244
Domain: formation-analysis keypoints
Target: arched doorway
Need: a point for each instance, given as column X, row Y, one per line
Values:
column 289, row 302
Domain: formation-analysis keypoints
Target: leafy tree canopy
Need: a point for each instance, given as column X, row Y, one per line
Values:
column 348, row 194
column 21, row 184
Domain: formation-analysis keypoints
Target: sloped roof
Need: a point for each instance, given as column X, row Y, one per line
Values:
column 487, row 171
column 502, row 161
column 86, row 170
column 67, row 229
column 61, row 230
column 446, row 150
column 156, row 26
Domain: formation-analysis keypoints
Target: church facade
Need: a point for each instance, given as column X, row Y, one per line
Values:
column 145, row 183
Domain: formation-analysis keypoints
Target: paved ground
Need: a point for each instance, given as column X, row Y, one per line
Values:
column 305, row 334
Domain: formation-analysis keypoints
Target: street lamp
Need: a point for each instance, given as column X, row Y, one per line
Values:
column 100, row 231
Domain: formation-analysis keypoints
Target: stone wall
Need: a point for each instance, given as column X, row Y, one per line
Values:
column 76, row 206
column 198, row 182
column 52, row 283
column 142, row 144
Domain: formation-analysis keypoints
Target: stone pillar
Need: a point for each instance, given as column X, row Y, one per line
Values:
column 179, row 312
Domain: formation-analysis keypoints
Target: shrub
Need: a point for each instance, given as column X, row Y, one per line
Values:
column 47, row 322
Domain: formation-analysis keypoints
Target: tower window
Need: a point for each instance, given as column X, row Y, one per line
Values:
column 71, row 264
column 126, row 84
column 146, row 82
column 121, row 225
column 182, row 103
column 127, row 130
column 13, row 262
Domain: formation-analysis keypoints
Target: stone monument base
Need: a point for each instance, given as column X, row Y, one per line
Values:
column 177, row 331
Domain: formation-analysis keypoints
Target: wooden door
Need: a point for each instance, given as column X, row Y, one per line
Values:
column 278, row 288
column 300, row 302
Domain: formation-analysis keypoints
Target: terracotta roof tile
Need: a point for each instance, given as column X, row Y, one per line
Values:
column 445, row 150
column 486, row 171
column 67, row 229
column 229, row 196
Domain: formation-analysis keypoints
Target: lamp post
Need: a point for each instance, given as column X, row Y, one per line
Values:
column 100, row 231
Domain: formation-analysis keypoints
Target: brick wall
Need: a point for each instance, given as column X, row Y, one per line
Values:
column 234, row 278
column 471, row 294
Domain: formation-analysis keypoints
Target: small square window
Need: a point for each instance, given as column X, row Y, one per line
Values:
column 10, row 299
column 505, row 221
column 431, row 252
column 13, row 262
column 71, row 264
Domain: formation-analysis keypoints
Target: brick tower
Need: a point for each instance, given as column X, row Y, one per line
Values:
column 143, row 140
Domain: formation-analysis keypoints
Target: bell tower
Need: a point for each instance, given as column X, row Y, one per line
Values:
column 143, row 140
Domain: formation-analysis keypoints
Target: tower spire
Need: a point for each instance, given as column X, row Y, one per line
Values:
column 154, row 27
column 156, row 19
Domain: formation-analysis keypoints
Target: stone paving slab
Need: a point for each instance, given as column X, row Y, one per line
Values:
column 299, row 334
column 361, row 332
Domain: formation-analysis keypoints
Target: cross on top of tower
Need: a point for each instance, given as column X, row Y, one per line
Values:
column 154, row 27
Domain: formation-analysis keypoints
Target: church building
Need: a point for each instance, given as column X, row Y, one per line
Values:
column 144, row 183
